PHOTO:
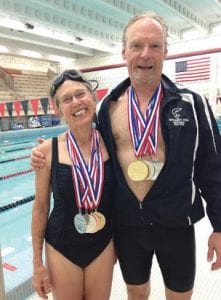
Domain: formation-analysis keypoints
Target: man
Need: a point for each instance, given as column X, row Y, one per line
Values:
column 166, row 149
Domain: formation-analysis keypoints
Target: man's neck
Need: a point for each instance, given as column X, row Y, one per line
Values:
column 144, row 92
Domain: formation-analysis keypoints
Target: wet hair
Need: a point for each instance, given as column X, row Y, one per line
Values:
column 145, row 15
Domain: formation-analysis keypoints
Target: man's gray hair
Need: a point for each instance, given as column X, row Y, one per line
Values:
column 145, row 15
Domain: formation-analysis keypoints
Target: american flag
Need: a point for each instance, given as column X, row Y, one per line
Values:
column 192, row 69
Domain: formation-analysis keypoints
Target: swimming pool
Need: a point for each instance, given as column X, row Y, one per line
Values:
column 17, row 185
column 16, row 195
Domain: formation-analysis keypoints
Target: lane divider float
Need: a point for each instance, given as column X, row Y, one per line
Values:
column 17, row 203
column 13, row 159
column 16, row 174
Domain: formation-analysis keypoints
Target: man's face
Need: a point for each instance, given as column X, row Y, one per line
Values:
column 144, row 52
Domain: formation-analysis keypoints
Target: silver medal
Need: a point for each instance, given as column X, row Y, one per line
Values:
column 80, row 223
column 158, row 165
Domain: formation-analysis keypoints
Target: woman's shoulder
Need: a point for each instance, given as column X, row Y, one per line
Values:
column 45, row 146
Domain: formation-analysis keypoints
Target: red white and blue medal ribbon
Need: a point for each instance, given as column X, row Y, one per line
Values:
column 144, row 129
column 87, row 178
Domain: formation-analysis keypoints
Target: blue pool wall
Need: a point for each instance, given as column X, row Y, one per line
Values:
column 14, row 135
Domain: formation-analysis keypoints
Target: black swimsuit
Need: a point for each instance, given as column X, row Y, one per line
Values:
column 61, row 234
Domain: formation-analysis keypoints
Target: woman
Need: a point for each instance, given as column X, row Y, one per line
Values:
column 77, row 233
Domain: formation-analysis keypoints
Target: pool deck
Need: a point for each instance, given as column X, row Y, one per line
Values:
column 18, row 281
column 207, row 284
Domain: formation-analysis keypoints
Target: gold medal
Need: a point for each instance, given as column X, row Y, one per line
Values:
column 91, row 224
column 137, row 170
column 98, row 223
column 101, row 221
column 140, row 170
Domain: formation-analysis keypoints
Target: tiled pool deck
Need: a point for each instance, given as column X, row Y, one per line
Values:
column 207, row 285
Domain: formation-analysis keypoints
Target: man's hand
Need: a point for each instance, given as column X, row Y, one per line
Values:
column 37, row 158
column 214, row 249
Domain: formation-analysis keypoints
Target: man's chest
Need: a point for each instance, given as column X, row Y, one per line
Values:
column 119, row 123
column 123, row 132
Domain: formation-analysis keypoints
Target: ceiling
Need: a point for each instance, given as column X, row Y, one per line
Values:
column 74, row 29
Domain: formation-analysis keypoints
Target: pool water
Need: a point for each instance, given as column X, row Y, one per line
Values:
column 16, row 184
column 15, row 223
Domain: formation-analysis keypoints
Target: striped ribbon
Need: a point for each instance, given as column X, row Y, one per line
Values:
column 144, row 128
column 87, row 179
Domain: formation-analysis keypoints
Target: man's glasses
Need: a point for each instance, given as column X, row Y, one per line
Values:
column 71, row 75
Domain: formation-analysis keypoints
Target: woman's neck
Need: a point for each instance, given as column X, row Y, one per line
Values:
column 83, row 139
column 82, row 135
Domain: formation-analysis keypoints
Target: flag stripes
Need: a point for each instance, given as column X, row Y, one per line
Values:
column 192, row 70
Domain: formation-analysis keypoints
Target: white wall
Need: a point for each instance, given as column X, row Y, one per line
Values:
column 109, row 77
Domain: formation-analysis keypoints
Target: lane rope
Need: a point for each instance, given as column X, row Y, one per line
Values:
column 13, row 159
column 17, row 149
column 16, row 174
column 16, row 203
column 15, row 143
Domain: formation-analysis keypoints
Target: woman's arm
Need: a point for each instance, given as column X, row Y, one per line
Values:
column 40, row 211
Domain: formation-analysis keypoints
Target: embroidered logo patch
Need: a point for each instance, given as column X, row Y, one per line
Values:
column 177, row 120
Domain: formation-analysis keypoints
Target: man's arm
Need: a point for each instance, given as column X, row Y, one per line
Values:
column 209, row 180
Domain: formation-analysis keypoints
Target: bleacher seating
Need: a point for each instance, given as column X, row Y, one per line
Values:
column 31, row 86
column 26, row 86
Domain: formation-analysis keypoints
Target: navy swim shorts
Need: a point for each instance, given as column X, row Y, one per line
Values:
column 174, row 249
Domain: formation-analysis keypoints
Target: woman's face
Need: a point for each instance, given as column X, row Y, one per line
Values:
column 76, row 103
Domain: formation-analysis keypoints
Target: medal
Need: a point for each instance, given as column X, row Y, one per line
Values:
column 157, row 165
column 144, row 170
column 101, row 221
column 144, row 133
column 140, row 170
column 80, row 223
column 91, row 226
column 88, row 179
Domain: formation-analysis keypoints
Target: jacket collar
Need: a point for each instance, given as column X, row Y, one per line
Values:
column 170, row 89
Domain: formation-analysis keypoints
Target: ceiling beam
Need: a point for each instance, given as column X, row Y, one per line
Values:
column 134, row 8
column 66, row 15
column 187, row 14
column 140, row 6
column 43, row 50
column 13, row 37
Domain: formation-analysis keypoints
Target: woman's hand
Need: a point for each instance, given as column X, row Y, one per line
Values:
column 41, row 282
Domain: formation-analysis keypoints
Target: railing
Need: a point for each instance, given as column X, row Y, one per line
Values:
column 51, row 73
column 7, row 78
